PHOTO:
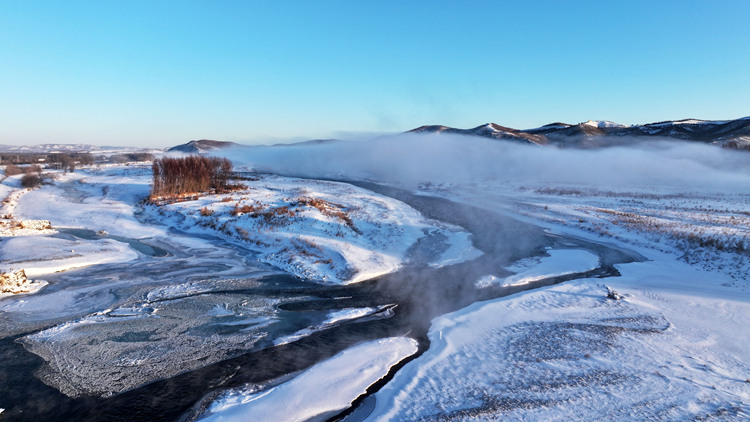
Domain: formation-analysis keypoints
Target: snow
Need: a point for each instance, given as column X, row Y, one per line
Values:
column 328, row 232
column 674, row 348
column 104, row 200
column 696, row 121
column 333, row 318
column 348, row 314
column 558, row 262
column 602, row 124
column 669, row 350
column 324, row 389
column 459, row 250
column 40, row 255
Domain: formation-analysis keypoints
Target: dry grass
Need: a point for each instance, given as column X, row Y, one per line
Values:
column 329, row 209
column 704, row 229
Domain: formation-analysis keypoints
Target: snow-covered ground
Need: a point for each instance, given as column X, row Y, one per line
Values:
column 324, row 231
column 102, row 202
column 557, row 262
column 328, row 232
column 50, row 255
column 673, row 349
column 320, row 391
column 709, row 229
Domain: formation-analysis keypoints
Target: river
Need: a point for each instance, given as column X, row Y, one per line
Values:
column 404, row 303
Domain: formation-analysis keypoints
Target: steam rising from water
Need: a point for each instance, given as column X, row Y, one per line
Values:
column 410, row 159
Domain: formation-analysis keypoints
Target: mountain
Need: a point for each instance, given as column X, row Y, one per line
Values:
column 202, row 146
column 593, row 134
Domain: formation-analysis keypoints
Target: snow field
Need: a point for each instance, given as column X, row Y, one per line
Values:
column 40, row 255
column 106, row 203
column 328, row 232
column 103, row 201
column 668, row 351
column 709, row 230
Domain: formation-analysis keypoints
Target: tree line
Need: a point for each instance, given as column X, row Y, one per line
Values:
column 192, row 174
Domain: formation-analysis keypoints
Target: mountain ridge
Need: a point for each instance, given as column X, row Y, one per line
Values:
column 202, row 146
column 733, row 134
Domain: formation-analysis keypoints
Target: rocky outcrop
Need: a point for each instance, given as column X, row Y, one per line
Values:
column 14, row 281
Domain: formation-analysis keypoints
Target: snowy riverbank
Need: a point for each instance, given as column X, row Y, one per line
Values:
column 328, row 232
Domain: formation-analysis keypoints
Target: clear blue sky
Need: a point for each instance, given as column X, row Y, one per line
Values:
column 159, row 73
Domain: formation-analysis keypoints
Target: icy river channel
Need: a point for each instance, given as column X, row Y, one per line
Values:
column 157, row 337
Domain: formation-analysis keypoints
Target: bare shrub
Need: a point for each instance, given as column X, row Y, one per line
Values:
column 34, row 168
column 12, row 169
column 31, row 180
column 206, row 212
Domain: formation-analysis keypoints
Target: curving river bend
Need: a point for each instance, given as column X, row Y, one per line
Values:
column 401, row 304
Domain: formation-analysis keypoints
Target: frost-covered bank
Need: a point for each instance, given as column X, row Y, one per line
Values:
column 319, row 392
column 329, row 232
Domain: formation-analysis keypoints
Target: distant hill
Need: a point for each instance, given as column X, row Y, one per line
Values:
column 593, row 134
column 54, row 148
column 202, row 146
column 72, row 149
column 310, row 142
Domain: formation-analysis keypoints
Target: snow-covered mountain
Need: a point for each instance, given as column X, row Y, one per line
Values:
column 726, row 133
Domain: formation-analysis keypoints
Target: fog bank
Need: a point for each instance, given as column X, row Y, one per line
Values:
column 411, row 159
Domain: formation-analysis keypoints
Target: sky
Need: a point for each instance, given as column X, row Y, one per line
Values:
column 161, row 73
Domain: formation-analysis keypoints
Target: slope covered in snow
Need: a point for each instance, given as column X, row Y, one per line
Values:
column 328, row 232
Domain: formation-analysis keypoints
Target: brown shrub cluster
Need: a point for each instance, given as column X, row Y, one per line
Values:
column 12, row 169
column 329, row 209
column 31, row 180
column 192, row 174
column 245, row 209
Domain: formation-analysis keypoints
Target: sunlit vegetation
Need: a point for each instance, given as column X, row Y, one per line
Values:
column 175, row 177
